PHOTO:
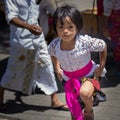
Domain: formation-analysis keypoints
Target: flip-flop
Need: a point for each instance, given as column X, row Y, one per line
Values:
column 64, row 106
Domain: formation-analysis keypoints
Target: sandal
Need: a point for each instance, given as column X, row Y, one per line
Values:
column 2, row 107
column 63, row 106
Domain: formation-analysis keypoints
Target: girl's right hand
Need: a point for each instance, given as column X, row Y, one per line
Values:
column 59, row 75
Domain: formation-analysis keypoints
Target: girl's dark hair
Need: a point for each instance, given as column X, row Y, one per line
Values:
column 71, row 12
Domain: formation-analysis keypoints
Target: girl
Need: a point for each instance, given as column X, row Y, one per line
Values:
column 71, row 56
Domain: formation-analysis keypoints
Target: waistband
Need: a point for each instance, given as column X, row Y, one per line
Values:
column 79, row 73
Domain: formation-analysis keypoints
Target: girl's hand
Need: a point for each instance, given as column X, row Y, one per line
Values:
column 98, row 72
column 59, row 74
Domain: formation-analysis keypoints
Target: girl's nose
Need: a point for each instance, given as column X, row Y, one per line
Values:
column 65, row 30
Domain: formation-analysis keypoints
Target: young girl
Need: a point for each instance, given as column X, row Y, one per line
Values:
column 72, row 60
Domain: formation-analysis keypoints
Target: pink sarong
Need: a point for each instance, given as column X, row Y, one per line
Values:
column 72, row 88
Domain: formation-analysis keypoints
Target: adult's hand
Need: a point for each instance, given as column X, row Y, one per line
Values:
column 35, row 29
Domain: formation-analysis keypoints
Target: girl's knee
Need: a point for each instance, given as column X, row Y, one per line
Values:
column 86, row 90
column 85, row 93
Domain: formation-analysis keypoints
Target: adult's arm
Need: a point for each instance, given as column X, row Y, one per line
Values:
column 35, row 29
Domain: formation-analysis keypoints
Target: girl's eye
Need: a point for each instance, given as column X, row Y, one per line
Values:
column 60, row 27
column 70, row 27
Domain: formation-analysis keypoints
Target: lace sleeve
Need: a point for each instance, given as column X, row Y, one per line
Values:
column 52, row 47
column 95, row 44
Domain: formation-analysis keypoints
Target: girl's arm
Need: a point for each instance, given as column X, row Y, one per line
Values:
column 57, row 67
column 102, row 56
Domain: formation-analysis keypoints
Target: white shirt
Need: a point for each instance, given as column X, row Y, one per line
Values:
column 28, row 11
column 45, row 7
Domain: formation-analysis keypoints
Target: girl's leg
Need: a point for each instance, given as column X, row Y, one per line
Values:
column 86, row 93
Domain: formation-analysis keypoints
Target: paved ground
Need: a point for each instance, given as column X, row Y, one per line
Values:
column 37, row 106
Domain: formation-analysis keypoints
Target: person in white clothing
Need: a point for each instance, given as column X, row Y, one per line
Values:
column 46, row 9
column 29, row 59
column 112, row 23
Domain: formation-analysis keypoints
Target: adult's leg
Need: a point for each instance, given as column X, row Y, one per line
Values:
column 56, row 103
column 44, row 75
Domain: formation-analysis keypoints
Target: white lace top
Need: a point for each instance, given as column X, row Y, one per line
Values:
column 72, row 60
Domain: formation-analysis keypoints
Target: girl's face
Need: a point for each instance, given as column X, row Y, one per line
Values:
column 66, row 31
